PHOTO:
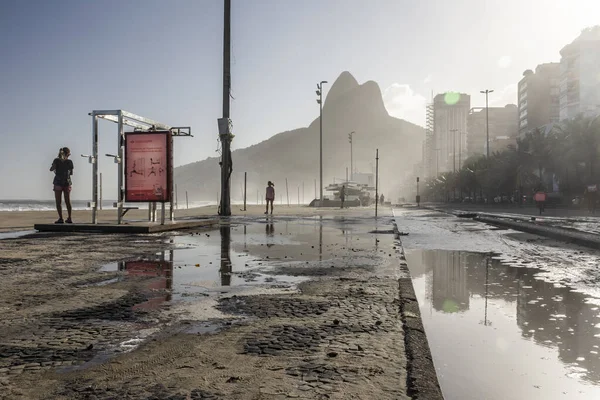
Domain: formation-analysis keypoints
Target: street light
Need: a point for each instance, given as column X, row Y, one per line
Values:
column 487, row 124
column 351, row 169
column 320, row 101
column 487, row 132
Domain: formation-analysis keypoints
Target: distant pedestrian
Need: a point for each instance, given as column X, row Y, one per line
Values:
column 343, row 195
column 381, row 199
column 63, row 169
column 270, row 196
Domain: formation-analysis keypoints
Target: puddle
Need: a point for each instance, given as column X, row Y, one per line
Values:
column 489, row 324
column 235, row 257
column 15, row 234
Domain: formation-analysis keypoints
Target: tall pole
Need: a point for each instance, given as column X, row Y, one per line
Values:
column 224, row 133
column 245, row 182
column 320, row 101
column 376, row 181
column 454, row 148
column 487, row 135
column 176, row 202
column 100, row 194
column 351, row 167
column 287, row 192
column 187, row 205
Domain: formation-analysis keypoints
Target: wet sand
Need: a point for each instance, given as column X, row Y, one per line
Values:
column 70, row 327
column 24, row 220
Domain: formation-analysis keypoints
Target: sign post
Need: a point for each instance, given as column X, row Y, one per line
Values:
column 149, row 168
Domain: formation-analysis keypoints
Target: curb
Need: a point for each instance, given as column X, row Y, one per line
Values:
column 566, row 235
column 421, row 377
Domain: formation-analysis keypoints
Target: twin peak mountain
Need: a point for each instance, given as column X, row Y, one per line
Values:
column 295, row 154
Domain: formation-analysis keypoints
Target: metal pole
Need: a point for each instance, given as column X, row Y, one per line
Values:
column 162, row 213
column 149, row 212
column 187, row 205
column 120, row 168
column 454, row 148
column 170, row 179
column 350, row 137
column 224, row 133
column 346, row 174
column 100, row 195
column 298, row 194
column 257, row 200
column 95, row 169
column 303, row 198
column 287, row 193
column 487, row 136
column 245, row 182
column 176, row 202
column 320, row 100
column 315, row 188
column 376, row 181
column 460, row 135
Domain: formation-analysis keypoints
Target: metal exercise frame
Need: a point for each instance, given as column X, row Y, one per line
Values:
column 123, row 118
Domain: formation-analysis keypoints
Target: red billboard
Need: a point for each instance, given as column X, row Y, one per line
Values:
column 148, row 166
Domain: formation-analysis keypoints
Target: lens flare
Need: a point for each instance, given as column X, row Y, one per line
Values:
column 451, row 98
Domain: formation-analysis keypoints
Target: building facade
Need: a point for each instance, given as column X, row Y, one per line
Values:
column 503, row 129
column 539, row 97
column 450, row 111
column 580, row 76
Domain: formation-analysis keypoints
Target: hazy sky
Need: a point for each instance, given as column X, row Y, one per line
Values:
column 163, row 60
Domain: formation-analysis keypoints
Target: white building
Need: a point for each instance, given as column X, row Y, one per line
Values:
column 580, row 75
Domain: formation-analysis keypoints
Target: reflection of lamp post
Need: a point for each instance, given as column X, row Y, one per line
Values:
column 487, row 267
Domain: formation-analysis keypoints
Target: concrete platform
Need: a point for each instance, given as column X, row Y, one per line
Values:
column 130, row 227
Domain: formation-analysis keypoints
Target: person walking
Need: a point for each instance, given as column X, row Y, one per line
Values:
column 270, row 196
column 343, row 195
column 381, row 199
column 63, row 169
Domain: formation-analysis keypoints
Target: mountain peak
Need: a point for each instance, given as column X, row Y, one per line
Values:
column 342, row 84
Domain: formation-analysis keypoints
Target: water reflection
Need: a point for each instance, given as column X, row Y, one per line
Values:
column 162, row 284
column 546, row 314
column 226, row 268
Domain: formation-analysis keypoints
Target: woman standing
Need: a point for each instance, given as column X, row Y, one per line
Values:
column 63, row 169
column 270, row 196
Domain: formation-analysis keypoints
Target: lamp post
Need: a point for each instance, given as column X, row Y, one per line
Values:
column 487, row 121
column 320, row 101
column 487, row 133
column 351, row 168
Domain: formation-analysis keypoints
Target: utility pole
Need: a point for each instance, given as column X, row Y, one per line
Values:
column 487, row 121
column 287, row 192
column 225, row 123
column 351, row 168
column 320, row 101
column 100, row 202
column 376, row 181
column 454, row 148
column 487, row 137
column 245, row 182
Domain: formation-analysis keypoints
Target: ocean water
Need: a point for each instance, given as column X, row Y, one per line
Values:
column 48, row 205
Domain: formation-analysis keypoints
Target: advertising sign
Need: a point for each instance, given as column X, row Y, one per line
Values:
column 148, row 166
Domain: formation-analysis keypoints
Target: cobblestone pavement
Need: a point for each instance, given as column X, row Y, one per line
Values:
column 339, row 336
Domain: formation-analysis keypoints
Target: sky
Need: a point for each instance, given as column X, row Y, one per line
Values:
column 61, row 59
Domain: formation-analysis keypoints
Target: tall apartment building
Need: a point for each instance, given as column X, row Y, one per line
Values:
column 450, row 111
column 539, row 97
column 503, row 129
column 580, row 75
column 429, row 152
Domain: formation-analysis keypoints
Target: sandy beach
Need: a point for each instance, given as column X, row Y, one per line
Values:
column 304, row 308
